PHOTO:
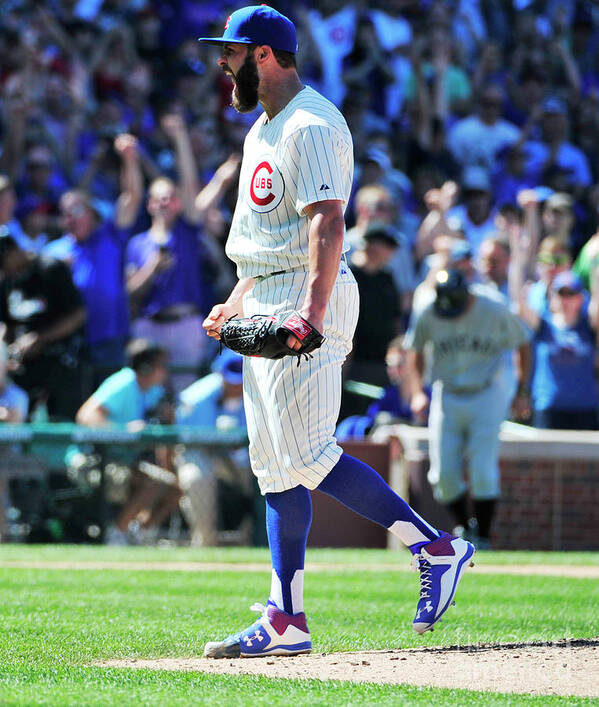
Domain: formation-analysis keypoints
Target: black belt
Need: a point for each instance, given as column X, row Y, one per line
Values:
column 259, row 278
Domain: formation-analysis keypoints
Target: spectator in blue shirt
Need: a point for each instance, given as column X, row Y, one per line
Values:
column 127, row 397
column 564, row 389
column 95, row 251
column 163, row 264
column 14, row 402
column 555, row 152
column 215, row 401
column 13, row 408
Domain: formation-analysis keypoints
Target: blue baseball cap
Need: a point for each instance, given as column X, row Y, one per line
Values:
column 567, row 280
column 459, row 251
column 258, row 24
column 230, row 365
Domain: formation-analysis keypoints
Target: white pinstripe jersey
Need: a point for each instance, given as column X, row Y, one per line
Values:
column 301, row 156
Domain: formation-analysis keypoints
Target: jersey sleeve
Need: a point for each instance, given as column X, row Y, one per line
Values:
column 320, row 175
column 416, row 336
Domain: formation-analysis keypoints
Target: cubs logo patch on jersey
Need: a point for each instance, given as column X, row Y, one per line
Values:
column 267, row 186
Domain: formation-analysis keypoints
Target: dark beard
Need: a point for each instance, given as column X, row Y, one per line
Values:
column 245, row 93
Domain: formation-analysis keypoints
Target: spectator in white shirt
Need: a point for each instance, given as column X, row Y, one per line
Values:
column 477, row 138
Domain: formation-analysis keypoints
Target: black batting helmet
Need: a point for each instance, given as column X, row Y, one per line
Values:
column 452, row 293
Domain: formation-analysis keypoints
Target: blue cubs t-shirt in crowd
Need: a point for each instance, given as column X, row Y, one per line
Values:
column 568, row 157
column 97, row 265
column 123, row 399
column 201, row 404
column 179, row 284
column 563, row 377
column 12, row 397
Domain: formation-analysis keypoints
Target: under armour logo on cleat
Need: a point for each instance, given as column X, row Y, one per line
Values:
column 426, row 608
column 257, row 635
column 324, row 187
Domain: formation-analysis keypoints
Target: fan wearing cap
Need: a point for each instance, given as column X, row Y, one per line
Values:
column 287, row 239
column 214, row 401
column 378, row 322
column 374, row 203
column 475, row 216
column 467, row 333
column 563, row 385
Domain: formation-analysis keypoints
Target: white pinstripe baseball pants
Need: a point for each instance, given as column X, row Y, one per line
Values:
column 292, row 410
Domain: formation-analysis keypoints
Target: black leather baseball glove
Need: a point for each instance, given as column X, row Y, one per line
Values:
column 266, row 335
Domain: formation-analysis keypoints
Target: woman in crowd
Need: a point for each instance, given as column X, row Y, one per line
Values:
column 563, row 386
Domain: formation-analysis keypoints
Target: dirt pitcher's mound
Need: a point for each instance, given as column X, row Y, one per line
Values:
column 563, row 668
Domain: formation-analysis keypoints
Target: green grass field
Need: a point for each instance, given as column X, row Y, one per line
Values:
column 57, row 622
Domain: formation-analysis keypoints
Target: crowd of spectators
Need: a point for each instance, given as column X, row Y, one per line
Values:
column 476, row 135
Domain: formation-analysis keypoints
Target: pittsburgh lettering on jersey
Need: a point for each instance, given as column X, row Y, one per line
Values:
column 266, row 186
column 466, row 342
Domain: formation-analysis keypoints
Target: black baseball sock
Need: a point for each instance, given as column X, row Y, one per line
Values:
column 459, row 510
column 483, row 511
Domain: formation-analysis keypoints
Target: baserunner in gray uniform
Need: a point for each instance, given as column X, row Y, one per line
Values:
column 467, row 333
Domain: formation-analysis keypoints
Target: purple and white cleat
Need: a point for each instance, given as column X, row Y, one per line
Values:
column 274, row 633
column 441, row 564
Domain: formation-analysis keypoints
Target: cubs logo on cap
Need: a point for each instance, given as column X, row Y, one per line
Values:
column 258, row 24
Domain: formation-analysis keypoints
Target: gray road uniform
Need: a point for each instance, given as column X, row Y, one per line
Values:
column 470, row 392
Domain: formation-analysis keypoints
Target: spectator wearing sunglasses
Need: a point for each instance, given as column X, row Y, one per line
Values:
column 553, row 257
column 563, row 385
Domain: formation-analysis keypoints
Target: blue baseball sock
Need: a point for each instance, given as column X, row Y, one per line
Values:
column 288, row 518
column 360, row 488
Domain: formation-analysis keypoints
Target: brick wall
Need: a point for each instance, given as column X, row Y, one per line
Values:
column 548, row 505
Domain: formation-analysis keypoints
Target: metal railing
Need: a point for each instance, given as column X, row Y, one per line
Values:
column 33, row 450
column 64, row 433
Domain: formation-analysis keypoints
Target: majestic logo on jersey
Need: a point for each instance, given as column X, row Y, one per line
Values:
column 266, row 187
